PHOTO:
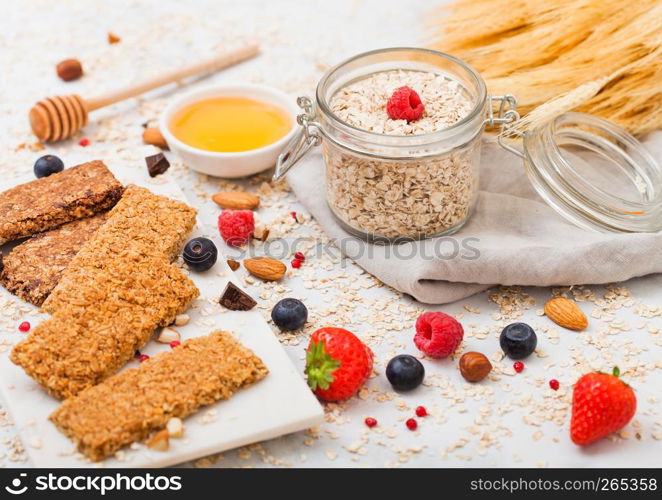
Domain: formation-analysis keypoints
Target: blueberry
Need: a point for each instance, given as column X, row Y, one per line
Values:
column 405, row 372
column 200, row 254
column 289, row 314
column 518, row 340
column 47, row 165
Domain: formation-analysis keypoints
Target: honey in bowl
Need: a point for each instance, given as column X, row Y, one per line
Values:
column 230, row 124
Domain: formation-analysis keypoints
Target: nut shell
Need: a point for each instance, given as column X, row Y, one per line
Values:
column 474, row 366
column 69, row 69
column 265, row 268
column 236, row 200
column 564, row 312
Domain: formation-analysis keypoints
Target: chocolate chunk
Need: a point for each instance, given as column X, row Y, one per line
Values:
column 157, row 164
column 236, row 299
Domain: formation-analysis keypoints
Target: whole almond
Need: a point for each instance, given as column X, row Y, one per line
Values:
column 474, row 366
column 153, row 136
column 564, row 312
column 69, row 69
column 265, row 268
column 236, row 200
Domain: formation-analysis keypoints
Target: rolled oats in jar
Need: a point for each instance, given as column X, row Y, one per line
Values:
column 386, row 178
column 395, row 198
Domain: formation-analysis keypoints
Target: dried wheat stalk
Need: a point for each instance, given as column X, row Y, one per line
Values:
column 599, row 57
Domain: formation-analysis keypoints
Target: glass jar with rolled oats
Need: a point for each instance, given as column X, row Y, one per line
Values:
column 417, row 177
column 392, row 178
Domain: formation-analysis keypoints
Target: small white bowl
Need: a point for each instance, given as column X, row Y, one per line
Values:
column 238, row 164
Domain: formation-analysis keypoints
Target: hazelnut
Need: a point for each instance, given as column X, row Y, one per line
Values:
column 474, row 366
column 69, row 69
column 153, row 136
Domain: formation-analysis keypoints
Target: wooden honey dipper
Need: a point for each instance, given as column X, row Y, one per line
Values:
column 56, row 118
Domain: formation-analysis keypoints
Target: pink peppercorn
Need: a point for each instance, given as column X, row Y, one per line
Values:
column 24, row 327
column 84, row 142
column 421, row 411
column 296, row 263
column 175, row 343
column 554, row 384
column 370, row 422
column 518, row 366
column 411, row 424
column 143, row 357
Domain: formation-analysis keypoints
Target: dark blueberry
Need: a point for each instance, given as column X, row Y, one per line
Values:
column 47, row 165
column 289, row 314
column 200, row 254
column 518, row 340
column 405, row 372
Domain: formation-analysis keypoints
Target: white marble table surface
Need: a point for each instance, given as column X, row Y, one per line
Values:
column 500, row 426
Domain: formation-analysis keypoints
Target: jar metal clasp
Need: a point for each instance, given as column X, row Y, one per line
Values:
column 506, row 115
column 308, row 137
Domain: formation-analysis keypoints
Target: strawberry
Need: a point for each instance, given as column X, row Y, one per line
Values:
column 337, row 363
column 601, row 404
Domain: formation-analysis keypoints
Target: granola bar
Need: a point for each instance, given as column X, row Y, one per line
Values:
column 130, row 405
column 142, row 227
column 49, row 202
column 33, row 268
column 117, row 289
column 82, row 344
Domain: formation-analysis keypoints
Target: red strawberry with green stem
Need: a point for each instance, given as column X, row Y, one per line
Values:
column 337, row 363
column 601, row 404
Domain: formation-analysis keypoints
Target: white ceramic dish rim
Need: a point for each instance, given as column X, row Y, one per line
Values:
column 282, row 100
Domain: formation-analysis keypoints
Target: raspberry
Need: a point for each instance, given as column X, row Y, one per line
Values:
column 438, row 334
column 405, row 104
column 236, row 226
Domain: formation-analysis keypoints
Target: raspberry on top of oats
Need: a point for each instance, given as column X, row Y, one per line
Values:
column 405, row 104
column 361, row 103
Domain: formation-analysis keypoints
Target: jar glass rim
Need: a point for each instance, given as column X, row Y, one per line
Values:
column 477, row 108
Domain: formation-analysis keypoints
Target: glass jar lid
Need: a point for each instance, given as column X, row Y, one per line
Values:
column 595, row 174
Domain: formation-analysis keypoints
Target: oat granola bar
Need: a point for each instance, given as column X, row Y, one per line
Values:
column 33, row 268
column 142, row 227
column 103, row 326
column 49, row 202
column 130, row 405
column 117, row 289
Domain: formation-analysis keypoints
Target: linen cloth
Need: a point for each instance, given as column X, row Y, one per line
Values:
column 513, row 238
